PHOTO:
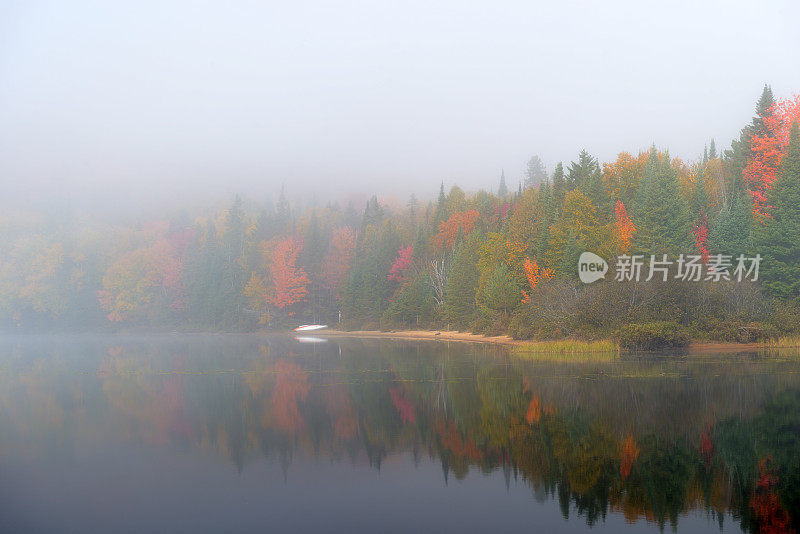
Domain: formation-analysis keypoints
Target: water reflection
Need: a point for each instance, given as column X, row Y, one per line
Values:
column 658, row 441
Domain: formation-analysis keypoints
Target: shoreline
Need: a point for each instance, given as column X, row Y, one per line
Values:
column 695, row 347
column 420, row 335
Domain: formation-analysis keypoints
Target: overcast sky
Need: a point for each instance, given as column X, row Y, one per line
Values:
column 164, row 101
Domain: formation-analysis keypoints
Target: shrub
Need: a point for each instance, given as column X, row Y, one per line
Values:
column 652, row 336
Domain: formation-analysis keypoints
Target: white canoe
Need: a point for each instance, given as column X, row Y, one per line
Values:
column 310, row 327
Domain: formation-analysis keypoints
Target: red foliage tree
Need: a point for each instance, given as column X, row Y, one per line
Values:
column 700, row 231
column 767, row 149
column 403, row 261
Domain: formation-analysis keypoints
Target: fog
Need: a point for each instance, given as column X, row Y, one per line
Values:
column 152, row 103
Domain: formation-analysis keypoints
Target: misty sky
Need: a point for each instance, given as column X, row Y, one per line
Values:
column 159, row 102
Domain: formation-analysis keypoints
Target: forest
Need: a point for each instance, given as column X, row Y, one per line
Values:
column 490, row 262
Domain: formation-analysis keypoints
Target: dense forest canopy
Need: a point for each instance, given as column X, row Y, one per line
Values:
column 490, row 261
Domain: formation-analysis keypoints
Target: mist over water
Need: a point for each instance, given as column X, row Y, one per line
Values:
column 209, row 433
column 136, row 105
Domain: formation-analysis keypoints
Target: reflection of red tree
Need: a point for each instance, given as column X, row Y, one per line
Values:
column 706, row 447
column 403, row 405
column 630, row 451
column 765, row 503
column 341, row 411
column 291, row 387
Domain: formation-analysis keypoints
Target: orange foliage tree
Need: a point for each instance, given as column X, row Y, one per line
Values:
column 291, row 282
column 623, row 176
column 623, row 227
column 534, row 275
column 457, row 224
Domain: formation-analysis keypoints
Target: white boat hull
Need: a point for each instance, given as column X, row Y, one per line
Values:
column 310, row 327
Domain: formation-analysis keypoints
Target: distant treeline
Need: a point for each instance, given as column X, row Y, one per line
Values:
column 490, row 262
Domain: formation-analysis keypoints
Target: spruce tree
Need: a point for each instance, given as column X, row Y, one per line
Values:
column 736, row 158
column 441, row 210
column 502, row 190
column 663, row 217
column 731, row 230
column 778, row 239
column 585, row 175
column 461, row 286
column 535, row 172
column 559, row 185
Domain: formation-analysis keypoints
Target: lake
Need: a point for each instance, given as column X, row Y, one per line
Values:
column 226, row 433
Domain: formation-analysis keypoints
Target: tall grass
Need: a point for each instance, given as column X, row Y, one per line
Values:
column 788, row 342
column 568, row 350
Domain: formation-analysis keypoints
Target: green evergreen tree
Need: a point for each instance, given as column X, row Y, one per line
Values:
column 502, row 291
column 462, row 283
column 699, row 204
column 736, row 158
column 535, row 172
column 778, row 240
column 585, row 174
column 367, row 288
column 548, row 209
column 559, row 185
column 502, row 190
column 663, row 217
column 283, row 214
column 441, row 208
column 731, row 230
column 412, row 305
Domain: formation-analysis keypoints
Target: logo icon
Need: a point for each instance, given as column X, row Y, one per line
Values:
column 591, row 267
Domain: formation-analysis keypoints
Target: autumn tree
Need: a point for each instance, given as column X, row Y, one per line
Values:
column 577, row 230
column 768, row 145
column 290, row 281
column 623, row 229
column 778, row 239
column 623, row 176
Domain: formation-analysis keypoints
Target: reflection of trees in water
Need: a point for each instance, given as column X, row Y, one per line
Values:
column 649, row 440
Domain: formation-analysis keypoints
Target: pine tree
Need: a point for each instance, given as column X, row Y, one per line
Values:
column 778, row 239
column 502, row 190
column 712, row 150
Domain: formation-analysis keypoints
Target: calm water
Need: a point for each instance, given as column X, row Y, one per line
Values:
column 245, row 433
